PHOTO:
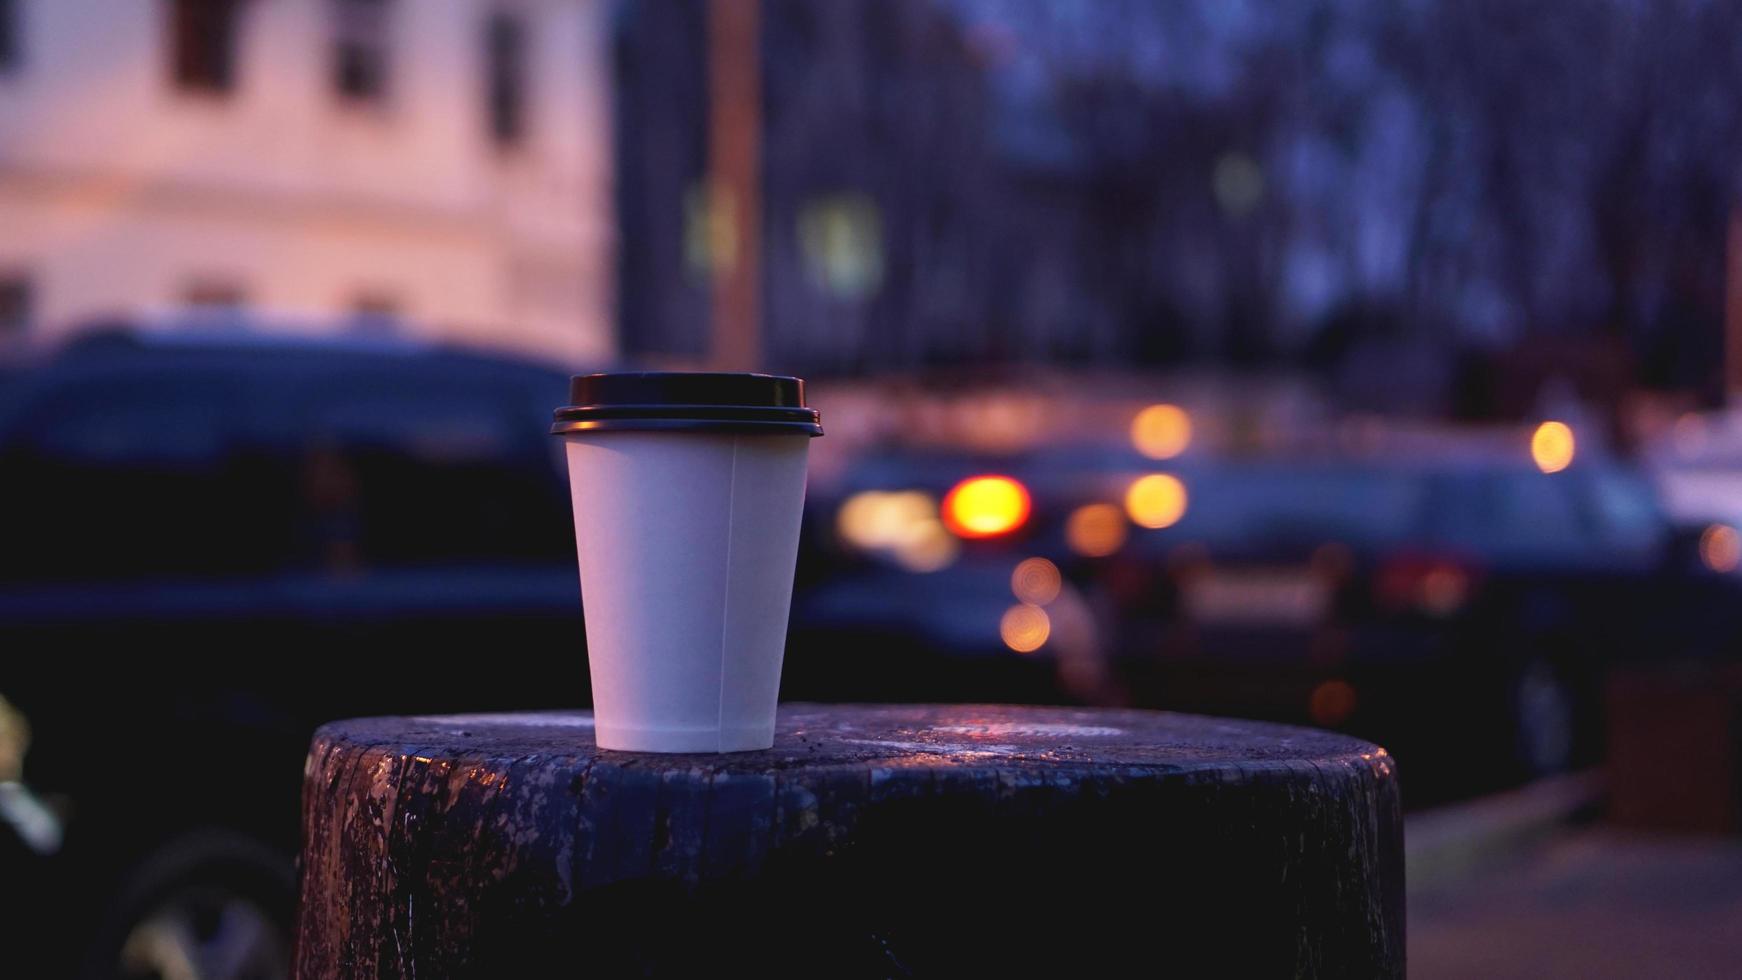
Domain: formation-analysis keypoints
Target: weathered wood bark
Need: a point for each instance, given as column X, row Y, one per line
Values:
column 871, row 841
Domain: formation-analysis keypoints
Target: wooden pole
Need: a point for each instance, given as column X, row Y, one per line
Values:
column 734, row 181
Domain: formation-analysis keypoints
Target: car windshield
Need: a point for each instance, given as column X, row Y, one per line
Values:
column 1524, row 512
column 1306, row 504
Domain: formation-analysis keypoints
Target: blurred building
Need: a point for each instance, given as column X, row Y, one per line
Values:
column 438, row 167
column 881, row 208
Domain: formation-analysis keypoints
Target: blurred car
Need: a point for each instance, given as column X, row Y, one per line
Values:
column 214, row 542
column 913, row 584
column 1461, row 612
column 1459, row 609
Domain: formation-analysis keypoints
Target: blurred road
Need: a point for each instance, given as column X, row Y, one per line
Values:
column 1586, row 903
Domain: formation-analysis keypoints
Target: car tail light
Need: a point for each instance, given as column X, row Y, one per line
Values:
column 986, row 506
column 1438, row 585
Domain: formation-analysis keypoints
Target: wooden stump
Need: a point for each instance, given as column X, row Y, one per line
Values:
column 871, row 841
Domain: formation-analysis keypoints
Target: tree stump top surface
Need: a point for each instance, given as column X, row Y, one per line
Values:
column 881, row 736
column 871, row 841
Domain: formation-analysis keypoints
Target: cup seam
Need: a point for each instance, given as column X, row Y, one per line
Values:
column 726, row 598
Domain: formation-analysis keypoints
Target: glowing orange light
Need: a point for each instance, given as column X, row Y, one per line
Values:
column 1331, row 703
column 1161, row 431
column 1036, row 581
column 1095, row 530
column 986, row 506
column 1024, row 628
column 1551, row 446
column 1721, row 548
column 1155, row 501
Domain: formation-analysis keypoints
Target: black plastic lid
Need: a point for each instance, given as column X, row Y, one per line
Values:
column 686, row 401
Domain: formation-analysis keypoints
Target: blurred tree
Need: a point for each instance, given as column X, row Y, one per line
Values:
column 1121, row 181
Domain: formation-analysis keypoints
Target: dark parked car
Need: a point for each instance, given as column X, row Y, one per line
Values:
column 1460, row 610
column 214, row 543
column 908, row 579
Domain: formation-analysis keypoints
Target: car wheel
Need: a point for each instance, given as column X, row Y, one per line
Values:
column 1542, row 706
column 211, row 906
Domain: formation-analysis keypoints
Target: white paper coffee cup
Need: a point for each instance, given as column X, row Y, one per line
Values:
column 688, row 492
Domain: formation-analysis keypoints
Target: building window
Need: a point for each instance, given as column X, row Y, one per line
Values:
column 841, row 239
column 375, row 313
column 10, row 32
column 15, row 305
column 710, row 231
column 203, row 35
column 505, row 58
column 360, row 61
column 215, row 295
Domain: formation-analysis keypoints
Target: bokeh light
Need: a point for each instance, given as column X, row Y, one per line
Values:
column 1161, row 431
column 1095, row 530
column 1036, row 581
column 986, row 506
column 903, row 524
column 1443, row 590
column 1551, row 446
column 878, row 519
column 1721, row 548
column 927, row 547
column 1024, row 628
column 1156, row 501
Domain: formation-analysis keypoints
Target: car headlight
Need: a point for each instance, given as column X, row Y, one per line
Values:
column 900, row 525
